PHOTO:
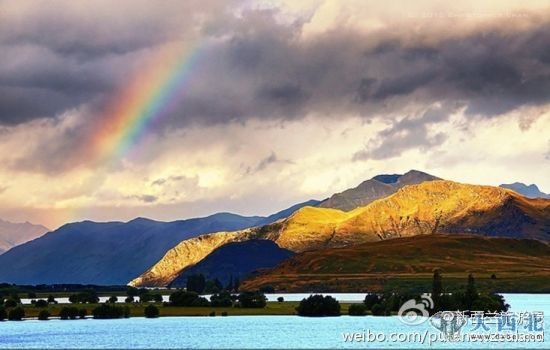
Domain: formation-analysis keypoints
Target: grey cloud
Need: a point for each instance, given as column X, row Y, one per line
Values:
column 251, row 65
column 162, row 181
column 407, row 133
column 145, row 198
column 269, row 160
column 255, row 66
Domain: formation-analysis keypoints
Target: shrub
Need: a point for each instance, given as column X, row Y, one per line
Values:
column 51, row 300
column 183, row 298
column 319, row 305
column 43, row 315
column 10, row 303
column 157, row 298
column 222, row 299
column 151, row 311
column 68, row 312
column 3, row 314
column 370, row 300
column 89, row 296
column 106, row 311
column 357, row 310
column 224, row 313
column 16, row 314
column 82, row 313
column 41, row 303
column 129, row 300
column 113, row 299
column 200, row 301
column 252, row 300
column 379, row 310
column 31, row 295
column 212, row 314
column 145, row 297
column 280, row 299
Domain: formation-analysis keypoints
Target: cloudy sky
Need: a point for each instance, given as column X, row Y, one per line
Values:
column 281, row 101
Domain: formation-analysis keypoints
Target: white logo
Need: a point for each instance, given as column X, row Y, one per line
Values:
column 413, row 312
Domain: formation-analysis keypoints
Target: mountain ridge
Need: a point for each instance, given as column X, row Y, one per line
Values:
column 530, row 191
column 13, row 234
column 379, row 186
column 90, row 252
column 430, row 207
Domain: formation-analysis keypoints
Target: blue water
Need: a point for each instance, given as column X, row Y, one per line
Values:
column 240, row 331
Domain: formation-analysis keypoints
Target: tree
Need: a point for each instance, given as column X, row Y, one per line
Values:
column 183, row 298
column 229, row 286
column 318, row 305
column 131, row 291
column 379, row 310
column 51, row 299
column 471, row 293
column 196, row 283
column 3, row 314
column 151, row 311
column 437, row 287
column 68, row 312
column 88, row 296
column 113, row 299
column 371, row 300
column 106, row 311
column 357, row 310
column 236, row 284
column 157, row 298
column 222, row 299
column 43, row 315
column 31, row 295
column 280, row 299
column 252, row 300
column 145, row 297
column 16, row 314
column 129, row 300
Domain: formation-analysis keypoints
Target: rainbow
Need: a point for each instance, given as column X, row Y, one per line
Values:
column 145, row 99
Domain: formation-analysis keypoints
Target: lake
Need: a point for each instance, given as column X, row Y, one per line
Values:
column 244, row 331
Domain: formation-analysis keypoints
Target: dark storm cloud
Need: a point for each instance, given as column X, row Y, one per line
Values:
column 254, row 66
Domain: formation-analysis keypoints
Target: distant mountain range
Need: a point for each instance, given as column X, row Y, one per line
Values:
column 13, row 234
column 113, row 252
column 530, row 191
column 368, row 266
column 235, row 260
column 431, row 207
column 144, row 252
column 370, row 190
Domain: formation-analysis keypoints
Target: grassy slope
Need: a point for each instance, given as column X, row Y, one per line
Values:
column 520, row 265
